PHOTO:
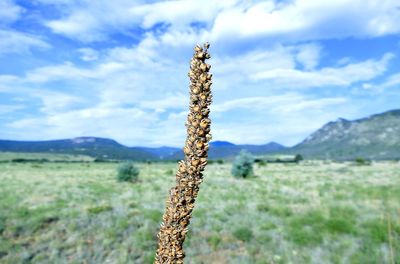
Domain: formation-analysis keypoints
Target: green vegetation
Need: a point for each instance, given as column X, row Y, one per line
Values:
column 127, row 172
column 298, row 158
column 290, row 213
column 361, row 161
column 243, row 233
column 42, row 157
column 242, row 166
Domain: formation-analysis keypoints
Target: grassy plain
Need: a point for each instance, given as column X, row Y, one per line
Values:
column 312, row 212
column 40, row 157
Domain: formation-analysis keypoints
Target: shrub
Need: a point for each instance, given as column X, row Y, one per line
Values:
column 243, row 165
column 127, row 172
column 262, row 163
column 298, row 158
column 244, row 234
column 361, row 161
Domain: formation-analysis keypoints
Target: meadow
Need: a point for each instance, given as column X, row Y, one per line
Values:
column 312, row 212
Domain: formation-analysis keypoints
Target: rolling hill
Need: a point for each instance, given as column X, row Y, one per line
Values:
column 225, row 149
column 100, row 148
column 374, row 137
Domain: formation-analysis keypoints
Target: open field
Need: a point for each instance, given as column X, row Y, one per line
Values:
column 21, row 156
column 288, row 213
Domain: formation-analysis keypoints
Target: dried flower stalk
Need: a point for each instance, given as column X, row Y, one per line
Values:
column 182, row 197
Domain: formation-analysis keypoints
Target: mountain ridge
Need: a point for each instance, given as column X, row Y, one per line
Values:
column 105, row 148
column 373, row 137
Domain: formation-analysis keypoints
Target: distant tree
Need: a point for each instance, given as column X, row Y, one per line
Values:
column 262, row 163
column 242, row 166
column 361, row 161
column 127, row 172
column 298, row 158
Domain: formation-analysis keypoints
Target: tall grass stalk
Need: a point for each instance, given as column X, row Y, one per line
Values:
column 180, row 202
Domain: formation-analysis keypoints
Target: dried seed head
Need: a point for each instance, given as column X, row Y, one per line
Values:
column 189, row 176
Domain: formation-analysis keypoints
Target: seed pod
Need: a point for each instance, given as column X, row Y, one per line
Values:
column 200, row 55
column 198, row 48
column 203, row 67
column 199, row 145
column 203, row 124
column 195, row 162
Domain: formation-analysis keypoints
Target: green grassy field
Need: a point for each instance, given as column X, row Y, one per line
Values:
column 10, row 156
column 288, row 213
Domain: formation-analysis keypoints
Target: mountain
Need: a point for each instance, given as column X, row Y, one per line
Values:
column 217, row 144
column 163, row 153
column 225, row 149
column 373, row 137
column 100, row 148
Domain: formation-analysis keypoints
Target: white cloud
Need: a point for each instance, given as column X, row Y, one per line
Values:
column 308, row 55
column 288, row 102
column 180, row 14
column 326, row 77
column 129, row 125
column 16, row 42
column 68, row 71
column 88, row 54
column 299, row 20
column 9, row 11
column 7, row 109
column 392, row 81
column 168, row 102
column 286, row 118
column 93, row 20
column 309, row 20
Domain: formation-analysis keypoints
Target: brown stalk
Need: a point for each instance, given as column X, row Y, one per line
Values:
column 180, row 202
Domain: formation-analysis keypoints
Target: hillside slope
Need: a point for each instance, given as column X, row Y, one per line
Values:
column 374, row 137
column 100, row 148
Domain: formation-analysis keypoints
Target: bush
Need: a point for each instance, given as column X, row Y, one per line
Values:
column 262, row 163
column 243, row 165
column 244, row 234
column 361, row 161
column 127, row 172
column 298, row 158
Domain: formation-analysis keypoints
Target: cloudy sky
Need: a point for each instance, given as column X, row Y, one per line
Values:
column 118, row 69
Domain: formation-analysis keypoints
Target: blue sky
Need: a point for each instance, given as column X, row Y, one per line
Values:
column 118, row 69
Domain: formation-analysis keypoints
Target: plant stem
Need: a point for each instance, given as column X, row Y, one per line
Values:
column 181, row 199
